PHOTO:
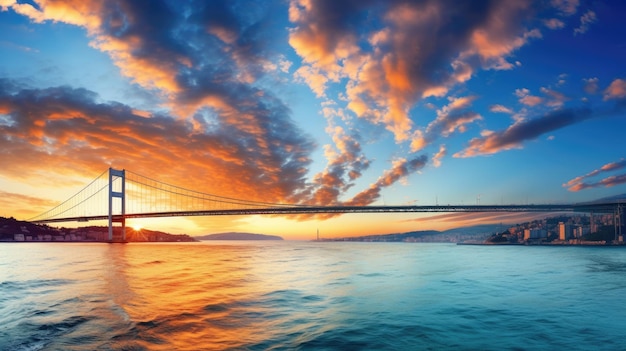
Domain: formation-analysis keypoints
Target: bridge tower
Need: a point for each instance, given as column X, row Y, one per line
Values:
column 114, row 175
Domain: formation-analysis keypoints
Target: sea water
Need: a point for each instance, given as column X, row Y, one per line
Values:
column 289, row 295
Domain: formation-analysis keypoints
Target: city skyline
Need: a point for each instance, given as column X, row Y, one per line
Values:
column 323, row 103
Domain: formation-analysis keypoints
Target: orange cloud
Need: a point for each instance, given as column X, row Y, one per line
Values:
column 418, row 51
column 579, row 183
column 492, row 47
column 313, row 78
column 345, row 165
column 97, row 19
column 66, row 131
column 224, row 128
column 439, row 155
column 147, row 72
column 220, row 125
column 616, row 90
column 4, row 4
column 606, row 182
column 75, row 12
column 158, row 51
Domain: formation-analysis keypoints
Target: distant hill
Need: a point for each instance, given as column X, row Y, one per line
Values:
column 620, row 197
column 238, row 236
column 11, row 226
column 476, row 233
column 399, row 237
column 476, row 229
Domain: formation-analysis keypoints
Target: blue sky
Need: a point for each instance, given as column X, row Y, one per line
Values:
column 315, row 102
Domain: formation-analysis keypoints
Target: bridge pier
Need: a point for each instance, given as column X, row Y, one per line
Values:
column 114, row 175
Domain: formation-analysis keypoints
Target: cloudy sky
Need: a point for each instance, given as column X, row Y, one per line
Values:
column 352, row 102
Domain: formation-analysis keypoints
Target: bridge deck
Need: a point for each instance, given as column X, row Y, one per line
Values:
column 295, row 210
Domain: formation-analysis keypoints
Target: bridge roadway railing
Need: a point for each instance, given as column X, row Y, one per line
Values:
column 302, row 209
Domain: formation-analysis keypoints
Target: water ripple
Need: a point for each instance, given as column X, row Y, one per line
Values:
column 313, row 296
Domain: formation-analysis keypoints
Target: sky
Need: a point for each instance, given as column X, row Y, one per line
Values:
column 353, row 102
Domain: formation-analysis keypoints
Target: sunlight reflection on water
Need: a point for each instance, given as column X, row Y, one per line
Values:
column 299, row 295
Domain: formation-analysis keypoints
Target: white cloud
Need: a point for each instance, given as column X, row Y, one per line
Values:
column 554, row 23
column 501, row 109
column 585, row 20
column 527, row 99
column 591, row 85
column 439, row 155
column 566, row 7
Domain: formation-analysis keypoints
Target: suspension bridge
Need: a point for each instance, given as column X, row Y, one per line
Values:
column 118, row 195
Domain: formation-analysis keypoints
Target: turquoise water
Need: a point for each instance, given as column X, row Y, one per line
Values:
column 310, row 296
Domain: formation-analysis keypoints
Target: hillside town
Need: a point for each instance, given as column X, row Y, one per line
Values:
column 563, row 230
column 12, row 230
column 558, row 230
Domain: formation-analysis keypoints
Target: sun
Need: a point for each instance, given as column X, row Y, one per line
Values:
column 136, row 227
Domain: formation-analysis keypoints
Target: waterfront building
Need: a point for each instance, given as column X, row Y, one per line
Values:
column 565, row 230
column 530, row 234
column 526, row 234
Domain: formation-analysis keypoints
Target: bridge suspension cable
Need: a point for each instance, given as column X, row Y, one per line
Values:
column 125, row 194
column 89, row 201
column 143, row 195
column 146, row 194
